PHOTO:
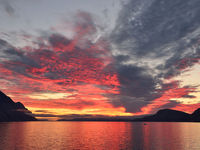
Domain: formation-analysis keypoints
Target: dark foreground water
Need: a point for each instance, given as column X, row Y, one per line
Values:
column 99, row 136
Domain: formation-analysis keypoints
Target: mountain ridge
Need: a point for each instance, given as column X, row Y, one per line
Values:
column 11, row 111
column 170, row 115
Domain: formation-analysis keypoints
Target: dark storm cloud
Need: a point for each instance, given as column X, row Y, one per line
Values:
column 131, row 103
column 145, row 26
column 154, row 39
column 135, row 82
column 137, row 87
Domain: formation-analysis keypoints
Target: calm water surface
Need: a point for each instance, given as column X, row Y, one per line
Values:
column 99, row 136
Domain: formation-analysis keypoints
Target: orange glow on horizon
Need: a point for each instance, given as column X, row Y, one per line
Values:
column 95, row 111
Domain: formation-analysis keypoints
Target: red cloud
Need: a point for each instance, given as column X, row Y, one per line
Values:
column 171, row 92
column 64, row 65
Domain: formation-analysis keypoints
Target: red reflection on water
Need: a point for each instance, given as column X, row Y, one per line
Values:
column 99, row 136
column 65, row 135
column 106, row 135
column 146, row 135
column 165, row 136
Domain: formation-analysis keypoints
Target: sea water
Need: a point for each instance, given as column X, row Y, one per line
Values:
column 99, row 136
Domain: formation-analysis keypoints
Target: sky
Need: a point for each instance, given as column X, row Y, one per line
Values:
column 100, row 58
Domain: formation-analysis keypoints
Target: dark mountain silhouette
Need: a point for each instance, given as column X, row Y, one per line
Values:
column 195, row 116
column 11, row 111
column 169, row 115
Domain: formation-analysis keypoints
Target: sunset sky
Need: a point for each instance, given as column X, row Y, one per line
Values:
column 100, row 57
